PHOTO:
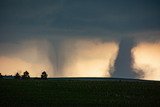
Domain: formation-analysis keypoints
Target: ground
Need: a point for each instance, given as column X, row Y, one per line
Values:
column 75, row 92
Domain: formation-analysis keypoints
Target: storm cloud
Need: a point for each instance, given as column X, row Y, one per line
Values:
column 52, row 18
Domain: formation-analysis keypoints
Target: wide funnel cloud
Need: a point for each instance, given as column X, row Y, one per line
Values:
column 125, row 60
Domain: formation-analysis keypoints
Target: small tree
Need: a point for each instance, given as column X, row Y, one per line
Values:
column 17, row 76
column 44, row 75
column 25, row 75
column 1, row 76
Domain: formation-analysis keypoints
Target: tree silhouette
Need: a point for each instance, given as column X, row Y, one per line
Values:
column 25, row 75
column 44, row 75
column 17, row 76
column 1, row 76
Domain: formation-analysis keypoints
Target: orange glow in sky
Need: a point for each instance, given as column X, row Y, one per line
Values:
column 91, row 58
column 147, row 59
column 25, row 58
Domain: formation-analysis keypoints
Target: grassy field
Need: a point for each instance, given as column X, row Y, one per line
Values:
column 56, row 93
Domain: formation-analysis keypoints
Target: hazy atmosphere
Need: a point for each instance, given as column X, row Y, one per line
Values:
column 81, row 38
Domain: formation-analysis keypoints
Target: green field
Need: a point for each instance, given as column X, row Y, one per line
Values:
column 56, row 93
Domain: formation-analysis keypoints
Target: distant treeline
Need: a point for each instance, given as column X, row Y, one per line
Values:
column 25, row 75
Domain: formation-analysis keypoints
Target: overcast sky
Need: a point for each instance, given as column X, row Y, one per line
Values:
column 20, row 19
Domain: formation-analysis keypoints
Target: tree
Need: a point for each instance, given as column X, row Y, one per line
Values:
column 44, row 75
column 25, row 75
column 1, row 76
column 17, row 76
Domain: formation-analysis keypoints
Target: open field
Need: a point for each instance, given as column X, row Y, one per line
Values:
column 77, row 92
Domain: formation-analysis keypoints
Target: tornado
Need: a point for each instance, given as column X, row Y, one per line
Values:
column 124, row 61
column 57, row 57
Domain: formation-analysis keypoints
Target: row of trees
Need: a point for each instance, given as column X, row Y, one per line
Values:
column 25, row 75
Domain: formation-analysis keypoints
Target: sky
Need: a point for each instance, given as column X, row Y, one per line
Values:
column 81, row 38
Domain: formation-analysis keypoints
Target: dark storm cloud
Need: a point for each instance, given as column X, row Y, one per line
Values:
column 75, row 17
column 109, row 15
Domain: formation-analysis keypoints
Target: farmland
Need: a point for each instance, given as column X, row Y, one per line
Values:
column 75, row 92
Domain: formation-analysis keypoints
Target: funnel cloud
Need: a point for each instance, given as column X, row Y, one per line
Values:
column 125, row 60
